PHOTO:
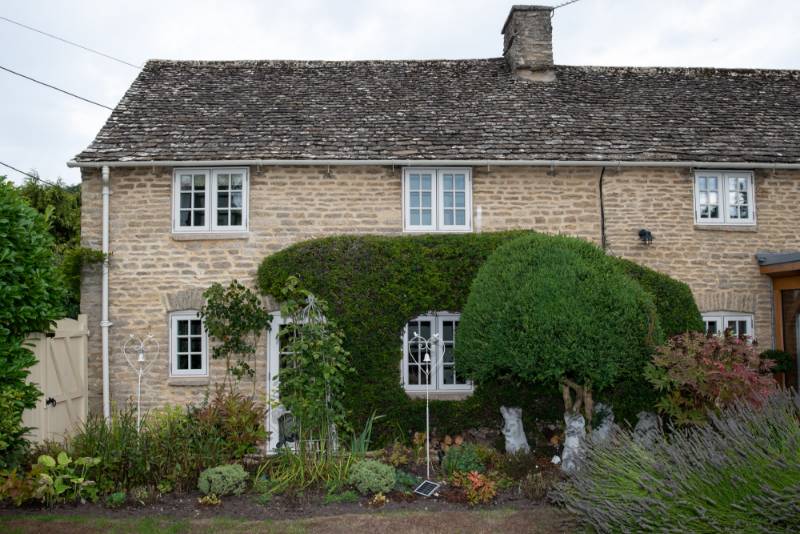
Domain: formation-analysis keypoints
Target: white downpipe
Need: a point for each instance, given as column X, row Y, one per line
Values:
column 104, row 322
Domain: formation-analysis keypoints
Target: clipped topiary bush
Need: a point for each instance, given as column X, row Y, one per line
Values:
column 223, row 480
column 462, row 458
column 372, row 476
column 556, row 310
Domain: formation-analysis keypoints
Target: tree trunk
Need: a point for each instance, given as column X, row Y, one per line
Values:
column 583, row 399
column 588, row 406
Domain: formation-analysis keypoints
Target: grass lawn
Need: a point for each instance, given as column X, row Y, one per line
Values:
column 542, row 519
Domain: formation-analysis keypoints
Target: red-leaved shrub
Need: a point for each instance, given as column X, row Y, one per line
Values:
column 698, row 373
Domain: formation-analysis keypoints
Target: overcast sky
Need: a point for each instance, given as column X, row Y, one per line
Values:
column 42, row 129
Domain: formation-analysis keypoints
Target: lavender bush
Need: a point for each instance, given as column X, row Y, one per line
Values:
column 738, row 473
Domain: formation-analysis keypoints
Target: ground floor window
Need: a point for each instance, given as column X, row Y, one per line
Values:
column 188, row 345
column 441, row 372
column 738, row 324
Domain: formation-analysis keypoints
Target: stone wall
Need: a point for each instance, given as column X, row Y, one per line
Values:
column 153, row 273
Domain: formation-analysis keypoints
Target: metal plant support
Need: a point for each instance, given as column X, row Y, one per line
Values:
column 427, row 344
column 141, row 346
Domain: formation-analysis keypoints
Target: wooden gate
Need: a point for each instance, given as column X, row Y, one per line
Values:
column 61, row 375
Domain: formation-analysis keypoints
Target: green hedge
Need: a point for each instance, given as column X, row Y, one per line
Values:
column 677, row 310
column 375, row 285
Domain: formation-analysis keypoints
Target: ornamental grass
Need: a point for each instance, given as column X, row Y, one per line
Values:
column 738, row 473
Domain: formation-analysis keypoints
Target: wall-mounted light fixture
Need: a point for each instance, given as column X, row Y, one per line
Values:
column 646, row 236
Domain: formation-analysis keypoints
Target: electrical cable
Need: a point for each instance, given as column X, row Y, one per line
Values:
column 56, row 88
column 72, row 43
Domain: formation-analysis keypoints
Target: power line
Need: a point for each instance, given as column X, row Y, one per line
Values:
column 29, row 175
column 564, row 4
column 78, row 45
column 56, row 88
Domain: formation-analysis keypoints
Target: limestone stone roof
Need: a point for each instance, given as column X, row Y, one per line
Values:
column 450, row 109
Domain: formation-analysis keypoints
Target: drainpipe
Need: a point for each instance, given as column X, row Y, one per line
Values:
column 104, row 322
column 603, row 243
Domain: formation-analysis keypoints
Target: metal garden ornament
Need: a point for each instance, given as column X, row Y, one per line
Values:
column 427, row 487
column 146, row 350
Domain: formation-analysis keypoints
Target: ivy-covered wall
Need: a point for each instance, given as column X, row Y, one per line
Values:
column 375, row 285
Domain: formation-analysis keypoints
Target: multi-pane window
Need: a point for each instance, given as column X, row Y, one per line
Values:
column 210, row 200
column 188, row 352
column 441, row 372
column 192, row 202
column 717, row 323
column 229, row 198
column 724, row 197
column 437, row 199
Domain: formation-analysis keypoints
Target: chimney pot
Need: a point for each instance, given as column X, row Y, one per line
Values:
column 528, row 42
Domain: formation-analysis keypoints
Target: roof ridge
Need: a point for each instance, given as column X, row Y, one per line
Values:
column 655, row 69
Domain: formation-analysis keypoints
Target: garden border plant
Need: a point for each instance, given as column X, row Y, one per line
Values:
column 738, row 473
column 375, row 284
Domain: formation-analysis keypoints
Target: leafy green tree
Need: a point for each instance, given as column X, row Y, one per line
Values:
column 555, row 310
column 235, row 318
column 61, row 204
column 31, row 299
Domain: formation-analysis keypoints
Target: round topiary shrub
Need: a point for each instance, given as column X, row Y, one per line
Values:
column 556, row 310
column 462, row 458
column 371, row 476
column 223, row 480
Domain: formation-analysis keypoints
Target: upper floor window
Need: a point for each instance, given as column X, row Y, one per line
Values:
column 210, row 200
column 724, row 197
column 188, row 345
column 437, row 200
column 738, row 324
column 441, row 372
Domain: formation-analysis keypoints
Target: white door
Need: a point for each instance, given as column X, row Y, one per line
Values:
column 278, row 418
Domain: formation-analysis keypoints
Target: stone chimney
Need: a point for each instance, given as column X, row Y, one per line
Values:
column 528, row 42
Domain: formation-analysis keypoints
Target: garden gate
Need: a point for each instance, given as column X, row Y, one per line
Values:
column 61, row 375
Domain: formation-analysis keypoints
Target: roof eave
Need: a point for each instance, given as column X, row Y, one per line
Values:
column 436, row 162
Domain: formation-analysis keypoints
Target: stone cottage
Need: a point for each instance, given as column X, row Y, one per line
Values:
column 206, row 167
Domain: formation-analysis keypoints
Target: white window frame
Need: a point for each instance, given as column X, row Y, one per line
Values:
column 722, row 319
column 174, row 317
column 724, row 218
column 211, row 226
column 437, row 377
column 437, row 201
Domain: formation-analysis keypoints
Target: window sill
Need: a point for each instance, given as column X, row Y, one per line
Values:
column 726, row 227
column 430, row 231
column 439, row 394
column 188, row 381
column 208, row 236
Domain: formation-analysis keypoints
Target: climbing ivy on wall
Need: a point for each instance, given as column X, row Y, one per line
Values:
column 374, row 285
